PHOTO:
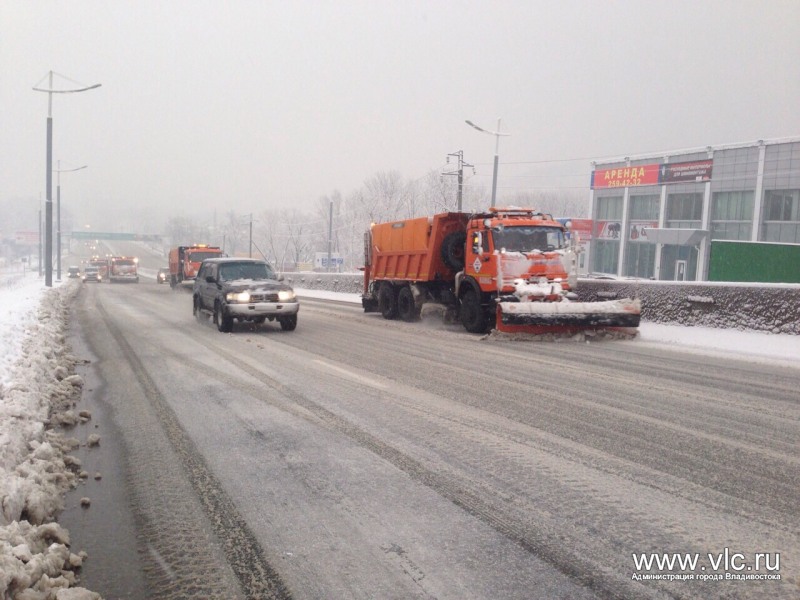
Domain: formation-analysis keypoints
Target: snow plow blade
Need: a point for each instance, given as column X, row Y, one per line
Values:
column 568, row 317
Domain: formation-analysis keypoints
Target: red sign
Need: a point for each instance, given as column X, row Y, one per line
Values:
column 654, row 174
column 583, row 227
column 625, row 176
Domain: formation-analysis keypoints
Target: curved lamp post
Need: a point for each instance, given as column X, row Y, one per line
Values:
column 497, row 135
column 48, row 246
column 59, row 170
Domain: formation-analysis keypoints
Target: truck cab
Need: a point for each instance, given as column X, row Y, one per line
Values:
column 505, row 245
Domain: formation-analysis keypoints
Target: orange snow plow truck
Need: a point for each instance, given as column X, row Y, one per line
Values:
column 512, row 269
column 184, row 261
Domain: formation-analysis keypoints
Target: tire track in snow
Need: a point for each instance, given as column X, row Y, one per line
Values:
column 257, row 578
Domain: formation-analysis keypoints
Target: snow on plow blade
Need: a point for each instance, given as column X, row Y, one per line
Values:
column 556, row 317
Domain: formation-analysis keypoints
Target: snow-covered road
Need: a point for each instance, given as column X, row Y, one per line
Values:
column 36, row 372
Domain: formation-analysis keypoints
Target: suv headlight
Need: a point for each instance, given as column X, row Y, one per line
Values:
column 285, row 295
column 241, row 297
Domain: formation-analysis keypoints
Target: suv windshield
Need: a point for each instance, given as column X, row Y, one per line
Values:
column 248, row 270
column 528, row 239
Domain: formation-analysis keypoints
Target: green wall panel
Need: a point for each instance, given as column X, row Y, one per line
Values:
column 754, row 261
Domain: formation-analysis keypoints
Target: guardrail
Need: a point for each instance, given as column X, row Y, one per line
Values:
column 768, row 307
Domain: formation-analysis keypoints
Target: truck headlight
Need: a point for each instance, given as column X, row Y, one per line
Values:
column 242, row 297
column 285, row 295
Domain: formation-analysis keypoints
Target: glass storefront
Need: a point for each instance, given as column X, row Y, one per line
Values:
column 781, row 216
column 640, row 260
column 640, row 253
column 607, row 234
column 679, row 263
column 732, row 215
column 685, row 211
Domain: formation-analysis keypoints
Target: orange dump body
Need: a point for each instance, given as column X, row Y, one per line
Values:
column 410, row 250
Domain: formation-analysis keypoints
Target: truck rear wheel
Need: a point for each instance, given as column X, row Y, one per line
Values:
column 406, row 307
column 387, row 301
column 472, row 314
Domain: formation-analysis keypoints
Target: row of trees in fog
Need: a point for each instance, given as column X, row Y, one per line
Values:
column 289, row 238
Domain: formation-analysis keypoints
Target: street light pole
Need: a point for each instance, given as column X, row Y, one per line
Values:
column 58, row 216
column 497, row 135
column 48, row 233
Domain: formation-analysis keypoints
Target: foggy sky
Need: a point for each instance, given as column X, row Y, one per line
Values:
column 247, row 105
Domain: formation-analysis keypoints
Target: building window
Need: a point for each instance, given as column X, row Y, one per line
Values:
column 606, row 235
column 605, row 256
column 609, row 208
column 685, row 211
column 781, row 213
column 640, row 260
column 644, row 208
column 732, row 215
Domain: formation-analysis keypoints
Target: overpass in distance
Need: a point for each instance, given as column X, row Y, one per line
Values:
column 105, row 235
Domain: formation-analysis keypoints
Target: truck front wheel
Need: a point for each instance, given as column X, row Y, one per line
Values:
column 472, row 314
column 387, row 301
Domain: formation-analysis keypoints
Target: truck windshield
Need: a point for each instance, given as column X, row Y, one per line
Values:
column 233, row 271
column 201, row 256
column 528, row 239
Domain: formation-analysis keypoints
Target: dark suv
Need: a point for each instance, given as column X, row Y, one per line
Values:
column 245, row 289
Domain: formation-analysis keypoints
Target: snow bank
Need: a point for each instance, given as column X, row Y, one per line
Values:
column 765, row 307
column 38, row 389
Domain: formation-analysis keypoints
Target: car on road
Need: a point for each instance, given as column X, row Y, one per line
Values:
column 73, row 272
column 244, row 289
column 163, row 275
column 92, row 273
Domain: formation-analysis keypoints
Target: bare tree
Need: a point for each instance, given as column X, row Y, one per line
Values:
column 571, row 203
column 184, row 231
column 386, row 197
column 283, row 237
column 233, row 232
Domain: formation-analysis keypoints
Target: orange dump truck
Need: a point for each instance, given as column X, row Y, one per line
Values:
column 123, row 269
column 513, row 269
column 184, row 261
column 102, row 266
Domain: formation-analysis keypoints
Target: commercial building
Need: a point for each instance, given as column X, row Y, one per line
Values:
column 656, row 216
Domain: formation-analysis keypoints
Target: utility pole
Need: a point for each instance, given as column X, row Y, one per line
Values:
column 250, row 247
column 330, row 232
column 460, row 173
column 41, row 272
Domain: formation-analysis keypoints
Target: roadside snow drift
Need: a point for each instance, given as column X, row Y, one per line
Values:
column 38, row 391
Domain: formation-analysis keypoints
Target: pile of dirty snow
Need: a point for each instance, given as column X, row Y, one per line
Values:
column 38, row 390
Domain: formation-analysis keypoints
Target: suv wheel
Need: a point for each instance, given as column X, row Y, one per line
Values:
column 288, row 323
column 223, row 321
